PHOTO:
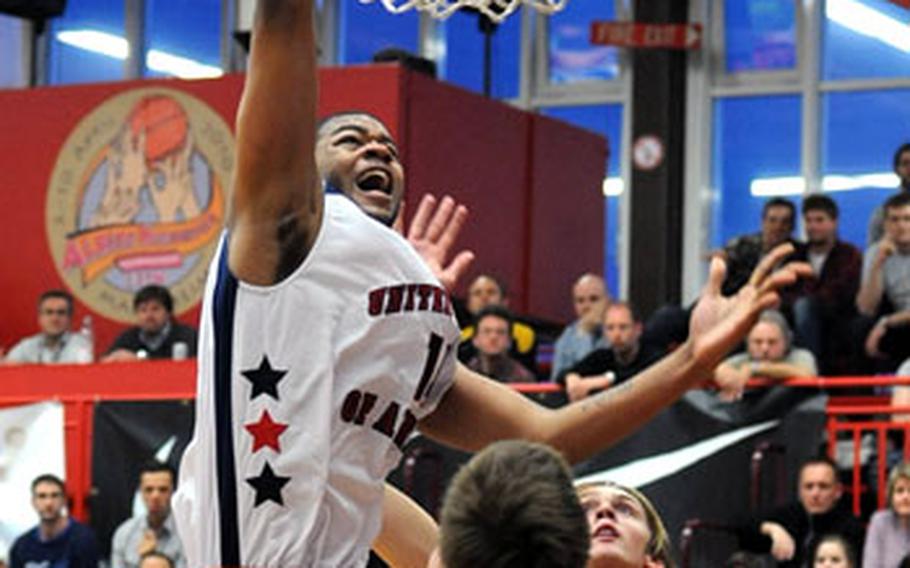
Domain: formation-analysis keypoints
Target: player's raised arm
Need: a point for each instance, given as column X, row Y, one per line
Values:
column 276, row 202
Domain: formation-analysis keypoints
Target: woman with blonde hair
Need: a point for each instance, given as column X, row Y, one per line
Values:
column 888, row 537
column 626, row 530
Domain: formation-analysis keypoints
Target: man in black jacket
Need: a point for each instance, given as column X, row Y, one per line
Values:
column 791, row 533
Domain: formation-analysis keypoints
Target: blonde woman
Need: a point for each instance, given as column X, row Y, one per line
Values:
column 888, row 537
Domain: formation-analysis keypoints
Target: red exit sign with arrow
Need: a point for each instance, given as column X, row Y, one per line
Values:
column 654, row 36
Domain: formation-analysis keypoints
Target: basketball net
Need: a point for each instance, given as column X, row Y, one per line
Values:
column 496, row 10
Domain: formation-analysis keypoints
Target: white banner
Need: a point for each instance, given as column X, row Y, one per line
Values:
column 31, row 444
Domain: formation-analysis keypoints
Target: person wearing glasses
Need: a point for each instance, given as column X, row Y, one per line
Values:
column 56, row 342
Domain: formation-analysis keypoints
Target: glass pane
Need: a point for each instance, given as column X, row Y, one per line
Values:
column 755, row 157
column 12, row 71
column 860, row 133
column 368, row 28
column 571, row 57
column 183, row 38
column 463, row 59
column 760, row 35
column 607, row 121
column 865, row 38
column 88, row 43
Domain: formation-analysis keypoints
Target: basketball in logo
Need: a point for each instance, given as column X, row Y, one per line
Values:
column 137, row 197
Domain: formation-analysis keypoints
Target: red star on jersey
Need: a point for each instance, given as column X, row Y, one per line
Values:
column 266, row 432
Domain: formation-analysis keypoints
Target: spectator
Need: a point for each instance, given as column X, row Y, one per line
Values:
column 513, row 504
column 625, row 528
column 743, row 253
column 901, row 165
column 155, row 531
column 835, row 552
column 888, row 537
column 885, row 289
column 791, row 534
column 824, row 306
column 769, row 353
column 485, row 291
column 585, row 334
column 158, row 335
column 55, row 343
column 155, row 560
column 491, row 345
column 57, row 540
column 605, row 367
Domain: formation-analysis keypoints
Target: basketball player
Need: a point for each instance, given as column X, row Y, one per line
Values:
column 326, row 339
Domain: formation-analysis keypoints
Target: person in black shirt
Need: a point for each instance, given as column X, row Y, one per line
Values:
column 606, row 367
column 158, row 335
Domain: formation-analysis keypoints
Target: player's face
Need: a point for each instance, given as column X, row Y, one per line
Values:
column 483, row 292
column 492, row 336
column 831, row 554
column 357, row 155
column 776, row 225
column 900, row 498
column 820, row 227
column 819, row 489
column 48, row 500
column 619, row 529
column 588, row 294
column 897, row 225
column 620, row 328
column 54, row 317
column 766, row 342
column 152, row 316
column 156, row 488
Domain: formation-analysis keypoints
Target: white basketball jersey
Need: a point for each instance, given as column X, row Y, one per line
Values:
column 307, row 390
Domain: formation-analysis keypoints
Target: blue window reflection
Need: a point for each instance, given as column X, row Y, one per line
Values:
column 865, row 38
column 12, row 73
column 571, row 56
column 861, row 132
column 760, row 35
column 463, row 63
column 365, row 29
column 605, row 120
column 183, row 38
column 756, row 156
column 87, row 43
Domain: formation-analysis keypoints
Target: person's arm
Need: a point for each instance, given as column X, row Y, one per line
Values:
column 408, row 535
column 588, row 426
column 276, row 184
column 870, row 291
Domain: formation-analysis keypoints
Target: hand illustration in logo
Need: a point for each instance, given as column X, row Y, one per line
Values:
column 126, row 174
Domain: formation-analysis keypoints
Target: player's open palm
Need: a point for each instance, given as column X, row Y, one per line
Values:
column 433, row 232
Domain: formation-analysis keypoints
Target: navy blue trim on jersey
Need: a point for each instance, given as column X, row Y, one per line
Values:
column 223, row 304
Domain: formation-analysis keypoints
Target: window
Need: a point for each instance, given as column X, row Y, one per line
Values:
column 87, row 43
column 13, row 72
column 760, row 35
column 183, row 38
column 571, row 57
column 368, row 28
column 865, row 38
column 462, row 61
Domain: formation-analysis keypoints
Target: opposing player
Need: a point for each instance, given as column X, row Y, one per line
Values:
column 326, row 339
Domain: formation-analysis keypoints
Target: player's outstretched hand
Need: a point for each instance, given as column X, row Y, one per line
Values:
column 718, row 324
column 433, row 232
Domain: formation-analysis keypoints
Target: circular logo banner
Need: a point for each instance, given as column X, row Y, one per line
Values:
column 137, row 197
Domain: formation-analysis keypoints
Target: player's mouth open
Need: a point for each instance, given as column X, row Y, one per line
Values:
column 375, row 180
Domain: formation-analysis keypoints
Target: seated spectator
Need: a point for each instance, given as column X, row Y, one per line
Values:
column 824, row 306
column 154, row 531
column 743, row 253
column 491, row 345
column 886, row 280
column 513, row 504
column 55, row 343
column 485, row 291
column 585, row 334
column 770, row 354
column 57, row 540
column 901, row 165
column 155, row 560
column 625, row 528
column 888, row 536
column 792, row 533
column 835, row 552
column 158, row 335
column 605, row 367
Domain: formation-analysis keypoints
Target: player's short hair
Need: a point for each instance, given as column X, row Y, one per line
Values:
column 513, row 505
column 49, row 478
column 59, row 295
column 154, row 293
column 320, row 127
column 823, row 203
